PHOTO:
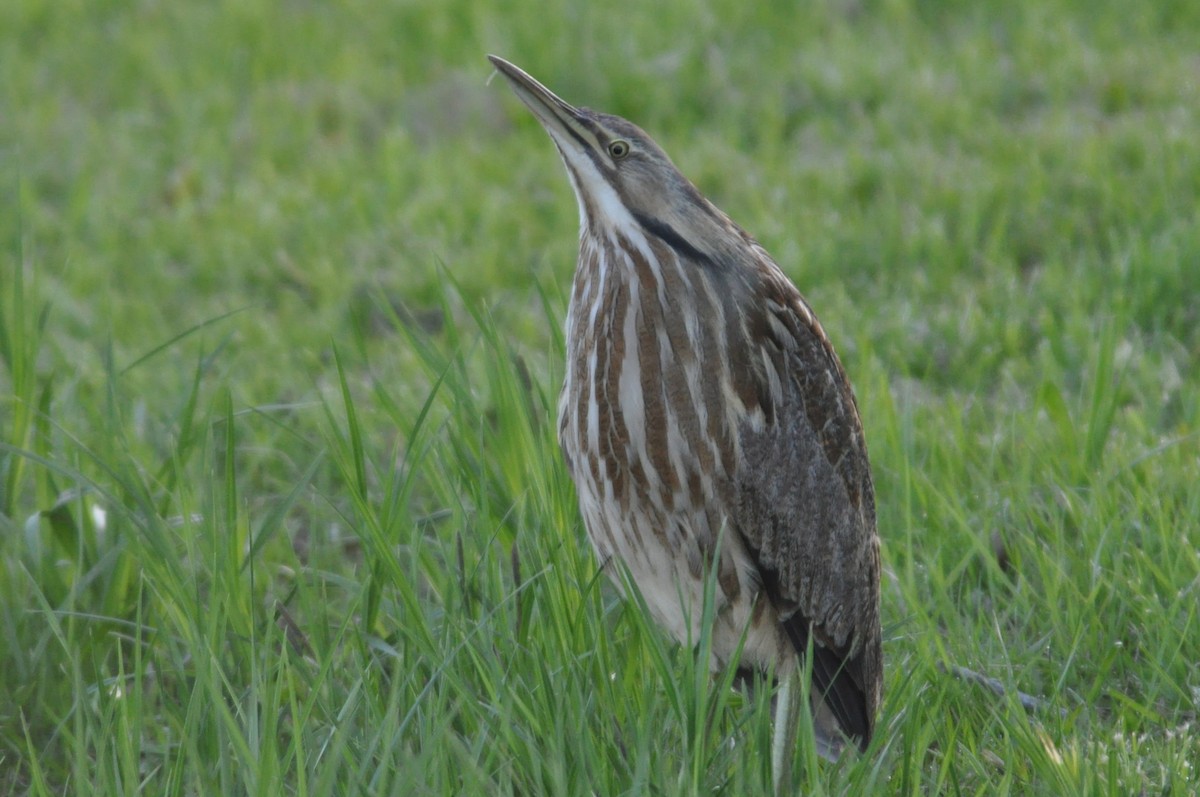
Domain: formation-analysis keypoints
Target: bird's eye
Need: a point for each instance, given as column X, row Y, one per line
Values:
column 618, row 149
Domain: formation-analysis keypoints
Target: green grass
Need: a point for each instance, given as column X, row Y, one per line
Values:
column 281, row 292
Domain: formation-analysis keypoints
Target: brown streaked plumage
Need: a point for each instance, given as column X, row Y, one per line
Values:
column 707, row 421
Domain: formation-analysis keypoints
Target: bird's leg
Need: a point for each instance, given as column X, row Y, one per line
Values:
column 783, row 736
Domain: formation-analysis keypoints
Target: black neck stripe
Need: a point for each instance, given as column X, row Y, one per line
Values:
column 673, row 239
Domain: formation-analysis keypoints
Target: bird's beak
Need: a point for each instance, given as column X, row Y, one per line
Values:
column 561, row 120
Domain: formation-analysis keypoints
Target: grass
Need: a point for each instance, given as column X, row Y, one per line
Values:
column 281, row 291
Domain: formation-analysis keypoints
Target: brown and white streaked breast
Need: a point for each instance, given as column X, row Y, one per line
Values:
column 648, row 420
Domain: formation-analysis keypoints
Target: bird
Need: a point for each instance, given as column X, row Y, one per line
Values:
column 710, row 428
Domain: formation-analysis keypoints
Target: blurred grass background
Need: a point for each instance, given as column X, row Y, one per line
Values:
column 281, row 292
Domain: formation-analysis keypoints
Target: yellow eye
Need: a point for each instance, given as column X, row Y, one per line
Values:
column 618, row 149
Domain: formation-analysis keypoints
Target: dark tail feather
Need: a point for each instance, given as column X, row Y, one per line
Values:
column 833, row 682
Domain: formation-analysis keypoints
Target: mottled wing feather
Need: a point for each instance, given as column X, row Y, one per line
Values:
column 806, row 505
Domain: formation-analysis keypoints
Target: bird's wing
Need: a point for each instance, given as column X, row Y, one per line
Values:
column 806, row 505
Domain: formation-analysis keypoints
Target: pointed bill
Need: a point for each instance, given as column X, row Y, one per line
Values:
column 562, row 120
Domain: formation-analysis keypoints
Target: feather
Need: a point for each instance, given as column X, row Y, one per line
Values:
column 805, row 509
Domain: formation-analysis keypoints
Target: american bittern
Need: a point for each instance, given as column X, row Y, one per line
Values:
column 707, row 423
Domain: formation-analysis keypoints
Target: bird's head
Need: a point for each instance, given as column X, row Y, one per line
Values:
column 618, row 172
